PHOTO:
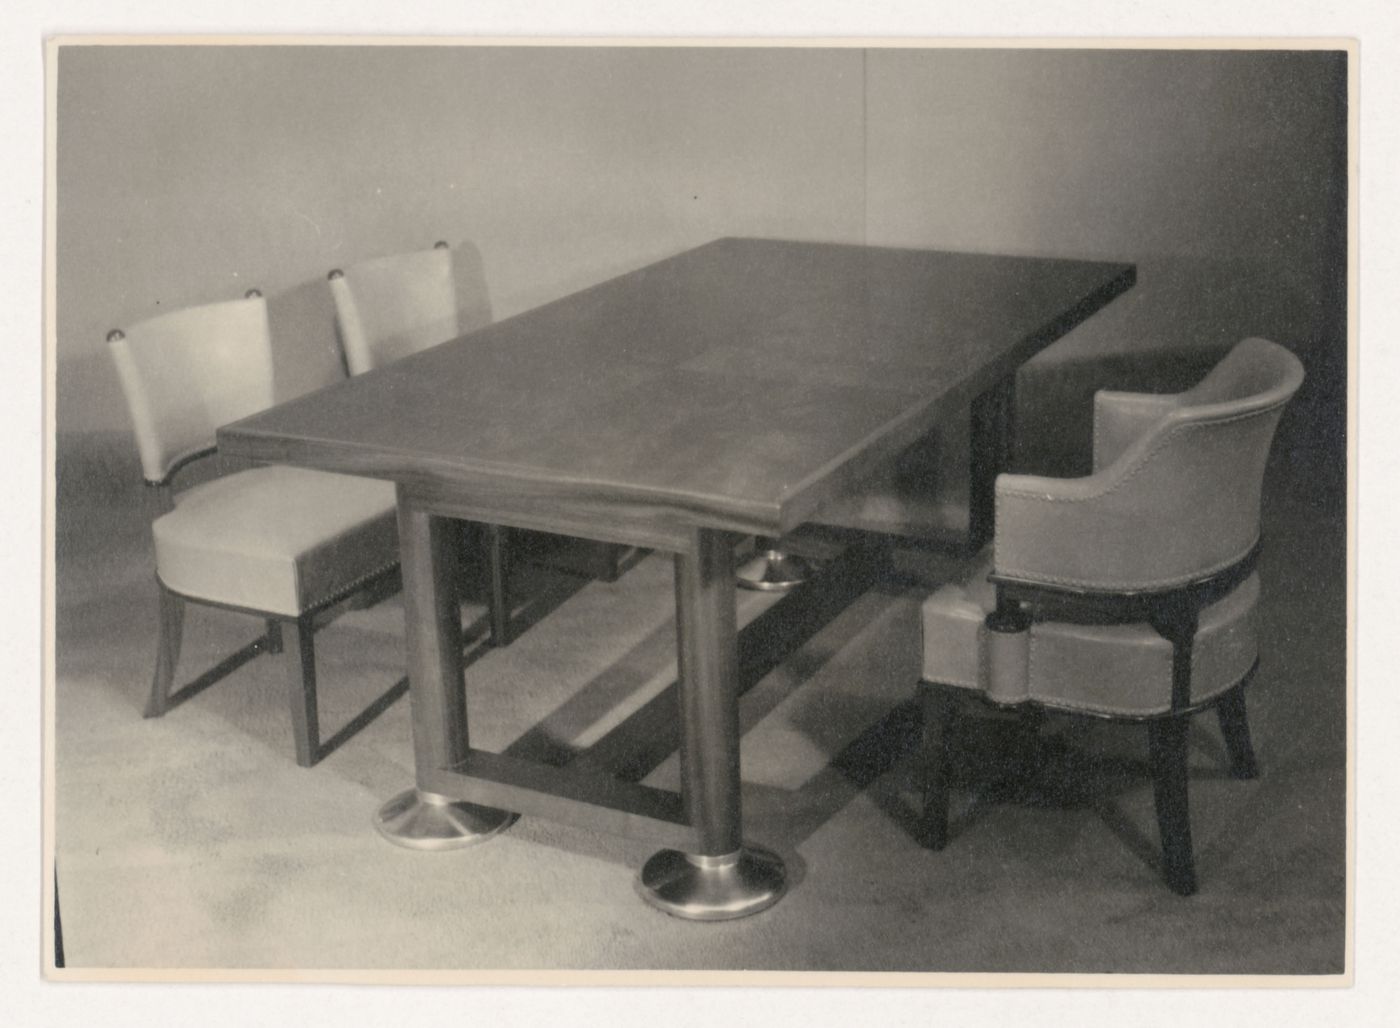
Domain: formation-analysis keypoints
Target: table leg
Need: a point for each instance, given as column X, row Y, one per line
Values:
column 993, row 421
column 497, row 558
column 417, row 818
column 722, row 879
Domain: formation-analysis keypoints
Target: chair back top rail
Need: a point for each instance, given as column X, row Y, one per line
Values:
column 390, row 307
column 187, row 372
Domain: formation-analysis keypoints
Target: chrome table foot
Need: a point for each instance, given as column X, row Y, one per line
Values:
column 713, row 888
column 425, row 821
column 773, row 570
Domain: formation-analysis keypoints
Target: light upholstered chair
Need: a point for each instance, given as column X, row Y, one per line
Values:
column 1128, row 594
column 280, row 543
column 390, row 307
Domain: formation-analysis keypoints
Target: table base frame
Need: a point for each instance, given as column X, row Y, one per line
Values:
column 464, row 796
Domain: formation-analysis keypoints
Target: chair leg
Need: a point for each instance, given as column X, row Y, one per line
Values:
column 1167, row 748
column 172, row 618
column 301, row 692
column 1234, row 726
column 496, row 559
column 936, row 707
column 272, row 641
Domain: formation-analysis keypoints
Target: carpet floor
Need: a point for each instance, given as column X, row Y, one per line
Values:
column 194, row 841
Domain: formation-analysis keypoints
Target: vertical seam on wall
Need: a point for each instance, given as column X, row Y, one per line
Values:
column 865, row 145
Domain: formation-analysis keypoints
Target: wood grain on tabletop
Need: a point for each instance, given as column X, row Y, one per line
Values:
column 737, row 385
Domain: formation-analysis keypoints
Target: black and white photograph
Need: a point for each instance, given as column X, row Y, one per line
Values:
column 588, row 513
column 677, row 508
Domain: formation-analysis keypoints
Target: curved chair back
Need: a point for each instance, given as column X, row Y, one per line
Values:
column 1177, row 504
column 394, row 306
column 187, row 372
column 1199, row 473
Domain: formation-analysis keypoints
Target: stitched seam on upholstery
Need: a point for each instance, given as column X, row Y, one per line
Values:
column 1034, row 694
column 1030, row 659
column 1098, row 439
column 350, row 587
column 1135, row 585
column 1137, row 468
column 1068, row 705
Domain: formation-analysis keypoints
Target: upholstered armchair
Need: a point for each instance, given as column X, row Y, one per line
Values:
column 279, row 543
column 1130, row 593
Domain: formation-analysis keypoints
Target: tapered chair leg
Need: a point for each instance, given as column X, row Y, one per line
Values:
column 301, row 693
column 272, row 641
column 172, row 618
column 1234, row 726
column 496, row 560
column 936, row 707
column 1167, row 748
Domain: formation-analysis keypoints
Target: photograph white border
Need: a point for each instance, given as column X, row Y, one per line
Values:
column 798, row 34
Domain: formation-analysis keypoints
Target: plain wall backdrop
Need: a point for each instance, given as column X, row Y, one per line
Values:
column 187, row 174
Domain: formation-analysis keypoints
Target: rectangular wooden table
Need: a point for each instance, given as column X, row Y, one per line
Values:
column 731, row 390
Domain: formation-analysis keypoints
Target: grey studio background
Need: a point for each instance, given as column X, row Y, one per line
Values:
column 186, row 175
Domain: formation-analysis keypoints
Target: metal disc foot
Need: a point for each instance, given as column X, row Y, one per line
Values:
column 426, row 821
column 713, row 888
column 774, row 571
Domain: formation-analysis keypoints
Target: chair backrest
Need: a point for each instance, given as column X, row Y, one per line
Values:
column 390, row 307
column 187, row 372
column 1255, row 374
column 1186, row 494
column 1179, row 500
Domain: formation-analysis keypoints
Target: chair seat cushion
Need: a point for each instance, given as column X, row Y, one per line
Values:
column 276, row 539
column 1123, row 670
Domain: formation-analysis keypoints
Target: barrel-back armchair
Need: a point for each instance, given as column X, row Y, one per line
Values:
column 1130, row 593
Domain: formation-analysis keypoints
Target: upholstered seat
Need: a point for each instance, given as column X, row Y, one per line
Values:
column 276, row 539
column 1080, row 667
column 281, row 543
column 1128, row 593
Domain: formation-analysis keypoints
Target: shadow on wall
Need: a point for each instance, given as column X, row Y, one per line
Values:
column 1165, row 333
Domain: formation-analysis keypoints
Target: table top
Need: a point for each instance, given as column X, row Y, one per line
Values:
column 739, row 385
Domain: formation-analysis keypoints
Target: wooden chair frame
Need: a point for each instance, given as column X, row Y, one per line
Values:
column 1174, row 614
column 300, row 657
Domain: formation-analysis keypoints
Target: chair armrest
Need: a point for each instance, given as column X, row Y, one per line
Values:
column 1120, row 418
column 1073, row 533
